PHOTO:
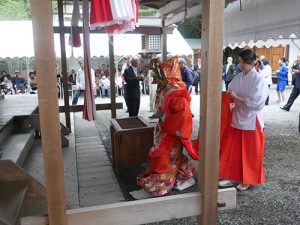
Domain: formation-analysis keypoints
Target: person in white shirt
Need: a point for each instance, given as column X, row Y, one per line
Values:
column 104, row 84
column 124, row 67
column 118, row 80
column 80, row 82
column 242, row 154
column 267, row 72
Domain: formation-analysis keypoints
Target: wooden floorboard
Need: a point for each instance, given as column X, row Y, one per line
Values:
column 96, row 179
column 17, row 105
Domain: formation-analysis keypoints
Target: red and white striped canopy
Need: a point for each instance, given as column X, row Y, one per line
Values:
column 116, row 16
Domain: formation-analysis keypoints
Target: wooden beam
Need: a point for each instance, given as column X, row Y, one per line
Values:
column 112, row 74
column 103, row 106
column 170, row 7
column 48, row 109
column 64, row 69
column 175, row 6
column 137, row 30
column 194, row 11
column 140, row 211
column 210, row 107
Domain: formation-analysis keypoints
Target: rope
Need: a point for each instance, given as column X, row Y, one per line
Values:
column 185, row 10
column 241, row 8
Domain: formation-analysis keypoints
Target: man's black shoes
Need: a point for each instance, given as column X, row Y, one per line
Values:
column 283, row 108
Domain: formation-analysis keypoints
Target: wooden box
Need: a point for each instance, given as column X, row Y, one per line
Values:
column 131, row 140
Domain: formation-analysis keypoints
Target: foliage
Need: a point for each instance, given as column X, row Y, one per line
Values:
column 15, row 10
column 191, row 27
column 147, row 11
column 54, row 7
column 21, row 10
column 18, row 9
column 234, row 53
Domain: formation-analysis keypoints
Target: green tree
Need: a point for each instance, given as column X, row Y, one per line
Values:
column 15, row 10
column 191, row 27
column 147, row 11
column 18, row 9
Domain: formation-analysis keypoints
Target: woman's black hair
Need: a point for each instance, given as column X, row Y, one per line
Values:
column 248, row 56
column 265, row 62
column 282, row 59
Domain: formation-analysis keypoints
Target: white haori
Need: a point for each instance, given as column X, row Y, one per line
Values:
column 253, row 88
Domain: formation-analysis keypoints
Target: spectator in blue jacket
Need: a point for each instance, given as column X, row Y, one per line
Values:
column 18, row 82
column 282, row 79
column 186, row 74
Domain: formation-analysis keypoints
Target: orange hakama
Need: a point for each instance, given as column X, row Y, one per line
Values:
column 242, row 155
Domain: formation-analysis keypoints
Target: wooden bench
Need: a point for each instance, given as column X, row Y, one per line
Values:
column 79, row 108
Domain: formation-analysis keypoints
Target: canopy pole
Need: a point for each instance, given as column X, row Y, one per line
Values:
column 112, row 75
column 64, row 69
column 163, row 41
column 48, row 108
column 210, row 108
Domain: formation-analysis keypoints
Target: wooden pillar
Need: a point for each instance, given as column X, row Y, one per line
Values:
column 163, row 41
column 210, row 108
column 287, row 53
column 112, row 76
column 64, row 63
column 48, row 108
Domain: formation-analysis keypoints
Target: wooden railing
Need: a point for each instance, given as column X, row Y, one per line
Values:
column 140, row 211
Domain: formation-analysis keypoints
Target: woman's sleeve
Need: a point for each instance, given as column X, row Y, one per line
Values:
column 283, row 71
column 258, row 93
column 232, row 84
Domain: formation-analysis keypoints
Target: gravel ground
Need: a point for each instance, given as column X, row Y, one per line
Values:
column 277, row 201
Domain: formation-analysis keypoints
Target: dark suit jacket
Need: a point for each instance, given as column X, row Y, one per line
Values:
column 197, row 69
column 133, row 85
column 187, row 76
column 296, row 76
column 230, row 73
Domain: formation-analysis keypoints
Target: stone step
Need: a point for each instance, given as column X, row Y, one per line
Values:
column 17, row 146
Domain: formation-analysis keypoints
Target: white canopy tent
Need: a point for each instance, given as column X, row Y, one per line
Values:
column 261, row 20
column 17, row 41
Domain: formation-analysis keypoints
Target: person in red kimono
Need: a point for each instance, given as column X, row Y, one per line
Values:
column 168, row 167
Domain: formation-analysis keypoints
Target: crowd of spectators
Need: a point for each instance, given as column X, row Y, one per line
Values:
column 17, row 84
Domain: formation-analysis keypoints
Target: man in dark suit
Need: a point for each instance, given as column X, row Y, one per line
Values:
column 197, row 70
column 296, row 81
column 186, row 74
column 133, row 78
column 228, row 72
